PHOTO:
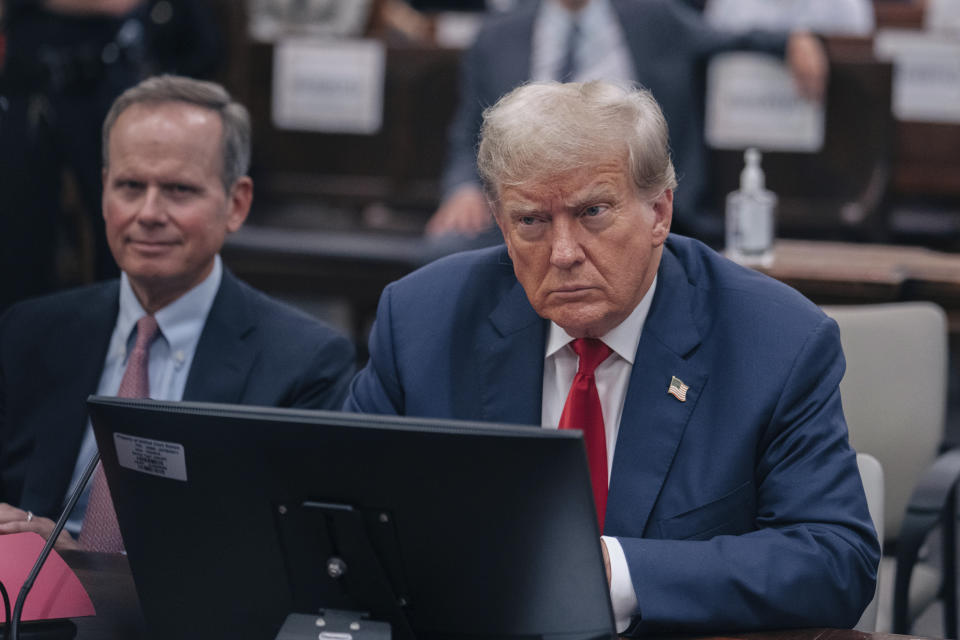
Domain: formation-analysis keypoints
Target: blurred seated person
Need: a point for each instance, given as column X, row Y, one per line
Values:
column 660, row 44
column 176, row 325
column 726, row 490
column 65, row 62
column 840, row 17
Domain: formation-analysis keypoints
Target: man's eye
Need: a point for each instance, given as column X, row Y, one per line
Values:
column 594, row 210
column 527, row 220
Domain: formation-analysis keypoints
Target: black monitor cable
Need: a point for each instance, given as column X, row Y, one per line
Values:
column 6, row 611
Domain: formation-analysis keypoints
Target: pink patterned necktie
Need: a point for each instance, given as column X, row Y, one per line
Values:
column 100, row 531
column 583, row 411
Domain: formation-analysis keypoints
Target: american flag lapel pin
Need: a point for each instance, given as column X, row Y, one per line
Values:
column 678, row 389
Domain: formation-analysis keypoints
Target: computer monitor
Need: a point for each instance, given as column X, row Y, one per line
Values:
column 234, row 517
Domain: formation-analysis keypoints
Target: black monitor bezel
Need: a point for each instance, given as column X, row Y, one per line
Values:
column 143, row 504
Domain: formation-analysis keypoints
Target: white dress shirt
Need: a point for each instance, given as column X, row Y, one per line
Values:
column 613, row 378
column 601, row 52
column 171, row 354
column 842, row 17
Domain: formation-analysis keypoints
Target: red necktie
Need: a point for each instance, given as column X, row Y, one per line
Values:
column 582, row 411
column 100, row 531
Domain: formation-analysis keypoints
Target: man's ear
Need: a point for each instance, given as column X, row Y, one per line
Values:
column 240, row 200
column 663, row 216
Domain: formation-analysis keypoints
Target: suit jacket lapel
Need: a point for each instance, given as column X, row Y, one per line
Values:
column 507, row 61
column 653, row 421
column 223, row 359
column 517, row 47
column 514, row 338
column 81, row 348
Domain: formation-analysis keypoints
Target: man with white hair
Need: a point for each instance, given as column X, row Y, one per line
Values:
column 726, row 490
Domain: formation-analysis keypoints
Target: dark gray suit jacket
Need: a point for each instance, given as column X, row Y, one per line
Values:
column 669, row 44
column 253, row 350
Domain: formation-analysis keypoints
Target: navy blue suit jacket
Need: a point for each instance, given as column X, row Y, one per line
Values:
column 740, row 508
column 668, row 43
column 253, row 350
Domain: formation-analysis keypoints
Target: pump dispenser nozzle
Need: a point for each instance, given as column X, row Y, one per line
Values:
column 751, row 177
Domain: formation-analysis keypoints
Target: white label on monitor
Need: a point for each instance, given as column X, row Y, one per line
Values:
column 752, row 102
column 332, row 86
column 155, row 457
column 926, row 74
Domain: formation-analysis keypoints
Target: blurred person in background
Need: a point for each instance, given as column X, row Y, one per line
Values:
column 661, row 44
column 840, row 17
column 65, row 61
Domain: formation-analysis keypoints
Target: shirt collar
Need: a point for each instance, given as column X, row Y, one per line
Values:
column 593, row 13
column 596, row 15
column 623, row 338
column 182, row 320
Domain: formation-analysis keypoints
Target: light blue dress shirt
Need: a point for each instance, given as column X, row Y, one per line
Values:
column 601, row 52
column 171, row 354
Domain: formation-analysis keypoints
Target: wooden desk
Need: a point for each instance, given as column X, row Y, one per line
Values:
column 838, row 190
column 844, row 273
column 808, row 634
column 899, row 14
column 352, row 266
column 357, row 265
column 108, row 581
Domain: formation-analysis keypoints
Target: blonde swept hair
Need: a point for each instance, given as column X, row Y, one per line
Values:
column 548, row 128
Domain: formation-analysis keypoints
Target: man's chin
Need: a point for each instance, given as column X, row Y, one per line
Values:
column 148, row 270
column 582, row 324
column 151, row 250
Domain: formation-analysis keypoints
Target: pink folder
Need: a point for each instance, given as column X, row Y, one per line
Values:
column 56, row 593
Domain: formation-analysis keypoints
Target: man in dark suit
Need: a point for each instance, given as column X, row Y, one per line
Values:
column 175, row 161
column 660, row 44
column 733, row 499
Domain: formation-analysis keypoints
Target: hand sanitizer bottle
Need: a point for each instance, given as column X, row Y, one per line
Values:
column 749, row 216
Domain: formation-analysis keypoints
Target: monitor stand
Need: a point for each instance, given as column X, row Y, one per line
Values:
column 335, row 567
column 332, row 625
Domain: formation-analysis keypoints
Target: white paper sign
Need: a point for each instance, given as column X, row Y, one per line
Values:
column 752, row 102
column 926, row 74
column 270, row 20
column 333, row 86
column 155, row 457
column 456, row 29
column 943, row 15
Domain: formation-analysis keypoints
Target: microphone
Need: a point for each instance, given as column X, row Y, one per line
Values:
column 14, row 620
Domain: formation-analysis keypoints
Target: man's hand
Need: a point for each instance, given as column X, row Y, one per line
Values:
column 808, row 64
column 606, row 559
column 14, row 520
column 465, row 212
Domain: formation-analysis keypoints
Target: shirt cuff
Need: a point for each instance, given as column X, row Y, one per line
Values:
column 622, row 596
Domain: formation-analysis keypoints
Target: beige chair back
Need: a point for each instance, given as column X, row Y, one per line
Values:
column 894, row 391
column 871, row 473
